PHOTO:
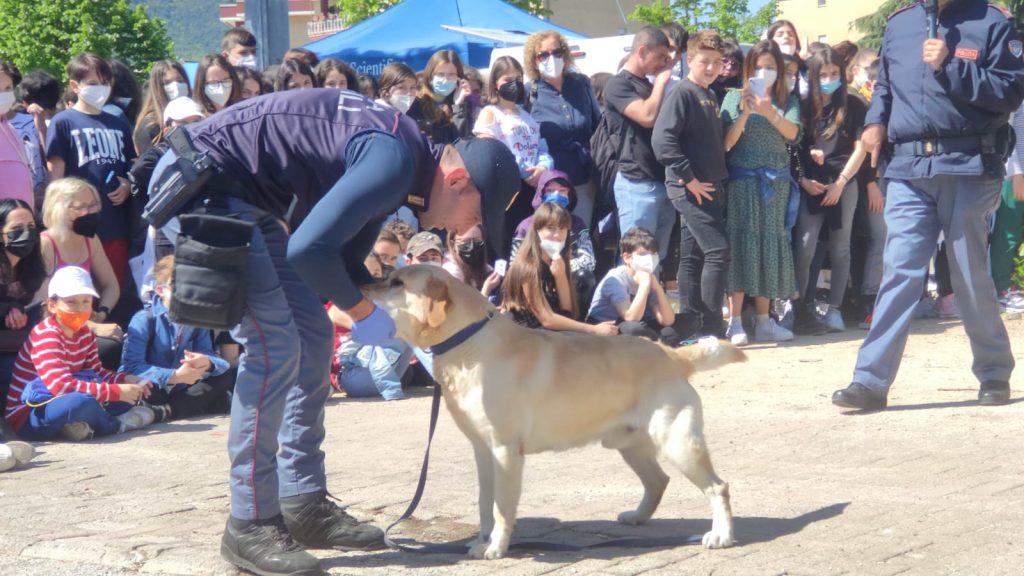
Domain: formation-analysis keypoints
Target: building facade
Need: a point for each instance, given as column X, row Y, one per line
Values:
column 828, row 21
column 595, row 18
column 308, row 20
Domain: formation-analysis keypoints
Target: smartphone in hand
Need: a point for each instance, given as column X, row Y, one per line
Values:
column 757, row 86
column 501, row 267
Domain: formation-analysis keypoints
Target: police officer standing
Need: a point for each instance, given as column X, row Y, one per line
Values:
column 944, row 103
column 328, row 165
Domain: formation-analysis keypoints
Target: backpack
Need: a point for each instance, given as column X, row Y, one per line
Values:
column 604, row 149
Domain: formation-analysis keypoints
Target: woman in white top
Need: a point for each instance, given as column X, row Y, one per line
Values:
column 505, row 119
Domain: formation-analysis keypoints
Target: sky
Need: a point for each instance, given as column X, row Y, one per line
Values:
column 755, row 4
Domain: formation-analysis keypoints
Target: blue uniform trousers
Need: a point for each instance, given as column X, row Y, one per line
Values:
column 915, row 212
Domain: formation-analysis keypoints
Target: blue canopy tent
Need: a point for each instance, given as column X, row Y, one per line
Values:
column 412, row 30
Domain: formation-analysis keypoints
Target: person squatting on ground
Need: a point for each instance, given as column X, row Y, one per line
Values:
column 945, row 176
column 361, row 162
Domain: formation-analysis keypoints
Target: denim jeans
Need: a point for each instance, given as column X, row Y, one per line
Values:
column 375, row 371
column 703, row 258
column 916, row 211
column 46, row 421
column 645, row 204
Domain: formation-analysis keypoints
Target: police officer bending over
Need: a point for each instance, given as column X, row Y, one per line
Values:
column 332, row 165
column 944, row 103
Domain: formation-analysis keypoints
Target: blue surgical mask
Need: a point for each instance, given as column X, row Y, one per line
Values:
column 442, row 86
column 562, row 201
column 830, row 87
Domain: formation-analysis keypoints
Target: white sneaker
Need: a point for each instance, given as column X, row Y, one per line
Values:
column 1011, row 300
column 736, row 334
column 771, row 332
column 7, row 458
column 76, row 431
column 23, row 451
column 137, row 417
column 834, row 321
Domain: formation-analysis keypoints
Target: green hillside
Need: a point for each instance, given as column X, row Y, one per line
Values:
column 193, row 25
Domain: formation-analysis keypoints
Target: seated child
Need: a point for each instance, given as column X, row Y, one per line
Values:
column 367, row 371
column 467, row 261
column 404, row 232
column 555, row 186
column 537, row 290
column 59, row 387
column 178, row 360
column 631, row 296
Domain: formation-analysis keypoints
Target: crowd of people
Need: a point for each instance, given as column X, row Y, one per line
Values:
column 739, row 201
column 703, row 190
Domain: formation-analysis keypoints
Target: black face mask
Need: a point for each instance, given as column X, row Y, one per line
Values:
column 86, row 225
column 22, row 242
column 472, row 252
column 512, row 91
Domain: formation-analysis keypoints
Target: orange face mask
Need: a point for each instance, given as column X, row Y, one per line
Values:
column 73, row 320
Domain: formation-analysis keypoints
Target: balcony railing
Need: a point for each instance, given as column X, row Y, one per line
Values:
column 318, row 28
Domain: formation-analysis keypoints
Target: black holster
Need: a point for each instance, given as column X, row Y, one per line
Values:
column 211, row 262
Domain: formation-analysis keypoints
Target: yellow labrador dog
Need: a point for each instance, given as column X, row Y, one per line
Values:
column 514, row 391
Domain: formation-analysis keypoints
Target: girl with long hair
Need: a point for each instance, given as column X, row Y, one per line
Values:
column 831, row 154
column 217, row 84
column 440, row 108
column 167, row 81
column 397, row 84
column 538, row 290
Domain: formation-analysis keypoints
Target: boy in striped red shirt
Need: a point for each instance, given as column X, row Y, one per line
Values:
column 59, row 387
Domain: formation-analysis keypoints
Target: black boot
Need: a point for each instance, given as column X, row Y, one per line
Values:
column 264, row 547
column 805, row 322
column 316, row 522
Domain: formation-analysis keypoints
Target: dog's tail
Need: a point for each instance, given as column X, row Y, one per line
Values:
column 707, row 354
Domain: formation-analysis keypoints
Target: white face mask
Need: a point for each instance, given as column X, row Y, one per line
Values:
column 248, row 61
column 861, row 78
column 553, row 248
column 175, row 90
column 790, row 84
column 218, row 94
column 401, row 102
column 552, row 67
column 768, row 76
column 645, row 262
column 787, row 49
column 6, row 101
column 95, row 96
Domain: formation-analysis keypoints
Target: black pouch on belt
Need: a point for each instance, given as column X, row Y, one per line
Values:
column 211, row 262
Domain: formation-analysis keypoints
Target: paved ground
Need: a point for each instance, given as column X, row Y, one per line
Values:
column 934, row 485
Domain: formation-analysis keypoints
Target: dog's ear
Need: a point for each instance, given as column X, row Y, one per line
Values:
column 436, row 294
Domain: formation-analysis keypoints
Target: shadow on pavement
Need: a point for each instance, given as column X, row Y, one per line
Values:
column 549, row 531
column 938, row 405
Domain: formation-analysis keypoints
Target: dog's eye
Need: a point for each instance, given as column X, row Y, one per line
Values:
column 395, row 283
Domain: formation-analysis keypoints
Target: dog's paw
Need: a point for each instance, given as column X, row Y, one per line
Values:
column 632, row 518
column 484, row 551
column 715, row 540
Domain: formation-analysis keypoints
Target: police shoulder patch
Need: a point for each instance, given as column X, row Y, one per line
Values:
column 1016, row 48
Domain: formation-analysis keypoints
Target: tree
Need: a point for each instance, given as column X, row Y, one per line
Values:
column 731, row 18
column 873, row 25
column 47, row 33
column 355, row 11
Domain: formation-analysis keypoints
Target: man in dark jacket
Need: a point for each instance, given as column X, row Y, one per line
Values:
column 946, row 118
column 330, row 165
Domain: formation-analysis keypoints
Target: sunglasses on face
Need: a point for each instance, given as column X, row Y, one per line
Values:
column 557, row 53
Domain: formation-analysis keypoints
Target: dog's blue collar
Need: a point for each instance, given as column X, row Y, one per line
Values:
column 460, row 336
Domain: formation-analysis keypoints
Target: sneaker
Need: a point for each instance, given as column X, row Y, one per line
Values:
column 925, row 309
column 161, row 412
column 770, row 331
column 834, row 321
column 136, row 418
column 316, row 522
column 865, row 324
column 946, row 306
column 7, row 458
column 786, row 313
column 736, row 334
column 806, row 322
column 264, row 547
column 1011, row 300
column 23, row 451
column 76, row 431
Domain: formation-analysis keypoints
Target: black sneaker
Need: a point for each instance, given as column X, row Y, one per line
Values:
column 161, row 412
column 316, row 522
column 264, row 547
column 806, row 322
